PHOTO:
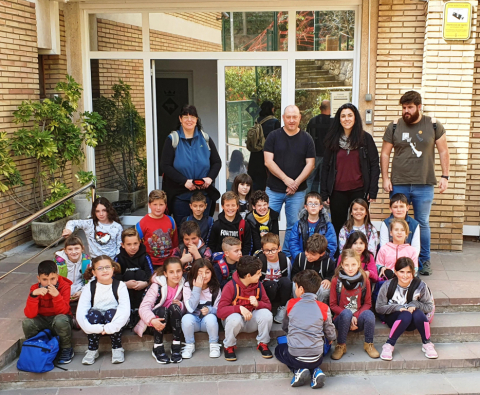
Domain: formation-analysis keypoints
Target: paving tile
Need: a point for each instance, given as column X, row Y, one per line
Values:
column 277, row 387
column 353, row 360
column 464, row 383
column 32, row 391
column 11, row 329
column 412, row 384
column 461, row 276
column 183, row 388
column 120, row 390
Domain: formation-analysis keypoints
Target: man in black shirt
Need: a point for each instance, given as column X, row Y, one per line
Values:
column 318, row 128
column 290, row 158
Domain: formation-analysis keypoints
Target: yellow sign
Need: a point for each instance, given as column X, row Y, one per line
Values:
column 457, row 20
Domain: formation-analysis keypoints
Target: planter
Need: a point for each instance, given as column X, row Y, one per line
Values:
column 45, row 233
column 83, row 206
column 109, row 193
column 139, row 198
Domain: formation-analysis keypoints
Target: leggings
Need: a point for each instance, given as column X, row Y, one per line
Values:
column 173, row 317
column 96, row 317
column 401, row 321
column 280, row 290
column 366, row 321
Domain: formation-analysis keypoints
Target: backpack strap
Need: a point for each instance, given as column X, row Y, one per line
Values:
column 93, row 289
column 265, row 119
column 391, row 288
column 237, row 297
column 139, row 230
column 282, row 258
column 241, row 229
column 394, row 126
column 224, row 268
column 412, row 288
column 175, row 139
column 207, row 138
column 172, row 222
column 86, row 262
column 338, row 288
column 434, row 123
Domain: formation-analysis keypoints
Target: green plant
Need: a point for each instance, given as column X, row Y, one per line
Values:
column 52, row 134
column 125, row 138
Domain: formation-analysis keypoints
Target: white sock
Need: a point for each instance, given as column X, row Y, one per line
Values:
column 157, row 345
column 176, row 342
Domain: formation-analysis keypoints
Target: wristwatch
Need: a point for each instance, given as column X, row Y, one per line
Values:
column 446, row 177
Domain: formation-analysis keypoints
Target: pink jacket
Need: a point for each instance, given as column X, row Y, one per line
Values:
column 389, row 253
column 158, row 287
column 370, row 266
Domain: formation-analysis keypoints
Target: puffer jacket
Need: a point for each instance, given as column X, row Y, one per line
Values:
column 389, row 253
column 157, row 290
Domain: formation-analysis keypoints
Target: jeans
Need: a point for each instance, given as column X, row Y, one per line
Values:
column 421, row 197
column 193, row 323
column 61, row 325
column 293, row 204
column 313, row 185
column 261, row 321
column 366, row 320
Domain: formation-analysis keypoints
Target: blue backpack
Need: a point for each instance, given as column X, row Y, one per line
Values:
column 38, row 353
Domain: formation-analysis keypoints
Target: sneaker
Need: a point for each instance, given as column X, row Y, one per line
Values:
column 188, row 350
column 429, row 350
column 159, row 354
column 280, row 315
column 340, row 349
column 215, row 350
column 176, row 353
column 387, row 351
column 90, row 357
column 264, row 350
column 65, row 356
column 118, row 355
column 371, row 350
column 300, row 377
column 230, row 353
column 426, row 270
column 318, row 379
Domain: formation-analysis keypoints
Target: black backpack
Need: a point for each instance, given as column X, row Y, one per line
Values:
column 93, row 288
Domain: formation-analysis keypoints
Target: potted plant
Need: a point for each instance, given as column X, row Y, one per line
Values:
column 125, row 143
column 52, row 135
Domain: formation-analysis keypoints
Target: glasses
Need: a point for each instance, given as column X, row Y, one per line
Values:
column 268, row 252
column 188, row 118
column 313, row 204
column 103, row 268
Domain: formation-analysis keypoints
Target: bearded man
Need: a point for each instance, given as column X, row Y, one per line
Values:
column 414, row 137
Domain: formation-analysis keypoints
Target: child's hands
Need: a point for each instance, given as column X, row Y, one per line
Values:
column 193, row 251
column 66, row 232
column 158, row 324
column 52, row 290
column 140, row 285
column 326, row 284
column 253, row 301
column 204, row 310
column 247, row 315
column 76, row 295
column 367, row 272
column 40, row 291
column 131, row 284
column 103, row 332
column 177, row 302
column 198, row 282
column 410, row 309
column 186, row 257
column 382, row 271
column 353, row 324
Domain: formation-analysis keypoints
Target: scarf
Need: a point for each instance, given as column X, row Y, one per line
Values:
column 344, row 143
column 263, row 219
column 350, row 282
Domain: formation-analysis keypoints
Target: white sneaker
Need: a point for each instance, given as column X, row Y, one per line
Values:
column 188, row 350
column 280, row 315
column 215, row 350
column 90, row 357
column 118, row 355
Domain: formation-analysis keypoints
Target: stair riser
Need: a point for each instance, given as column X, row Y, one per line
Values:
column 466, row 308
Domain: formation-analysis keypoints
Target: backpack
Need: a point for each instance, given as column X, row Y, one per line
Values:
column 93, row 288
column 237, row 296
column 394, row 126
column 339, row 291
column 282, row 260
column 255, row 137
column 39, row 352
column 176, row 138
column 63, row 269
column 222, row 264
column 241, row 229
column 140, row 232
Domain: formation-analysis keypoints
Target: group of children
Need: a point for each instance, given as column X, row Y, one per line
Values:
column 233, row 271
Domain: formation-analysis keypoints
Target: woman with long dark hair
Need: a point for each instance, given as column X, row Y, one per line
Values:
column 256, row 164
column 189, row 154
column 350, row 165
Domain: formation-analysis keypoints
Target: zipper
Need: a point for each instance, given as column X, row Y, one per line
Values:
column 44, row 349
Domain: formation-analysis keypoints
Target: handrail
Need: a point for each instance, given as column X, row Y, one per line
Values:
column 45, row 210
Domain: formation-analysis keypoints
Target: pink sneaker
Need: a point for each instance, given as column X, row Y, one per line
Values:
column 387, row 351
column 429, row 350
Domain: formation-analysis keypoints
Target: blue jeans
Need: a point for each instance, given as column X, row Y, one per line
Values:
column 193, row 323
column 293, row 204
column 421, row 197
column 313, row 185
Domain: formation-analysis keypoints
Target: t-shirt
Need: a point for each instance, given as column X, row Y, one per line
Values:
column 414, row 156
column 159, row 237
column 318, row 128
column 290, row 153
column 274, row 272
column 311, row 227
column 349, row 173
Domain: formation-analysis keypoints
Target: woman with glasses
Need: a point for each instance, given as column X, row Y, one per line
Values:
column 190, row 162
column 350, row 165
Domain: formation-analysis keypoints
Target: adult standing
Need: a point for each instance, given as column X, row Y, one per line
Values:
column 256, row 164
column 350, row 165
column 414, row 137
column 290, row 158
column 189, row 154
column 318, row 128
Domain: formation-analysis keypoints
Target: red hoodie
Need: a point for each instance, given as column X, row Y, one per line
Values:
column 48, row 305
column 225, row 306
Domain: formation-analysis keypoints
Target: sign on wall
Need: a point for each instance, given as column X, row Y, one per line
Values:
column 337, row 99
column 457, row 20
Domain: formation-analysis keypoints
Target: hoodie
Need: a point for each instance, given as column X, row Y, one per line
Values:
column 389, row 253
column 48, row 305
column 325, row 266
column 300, row 233
column 222, row 228
column 226, row 307
column 72, row 270
column 413, row 237
column 258, row 228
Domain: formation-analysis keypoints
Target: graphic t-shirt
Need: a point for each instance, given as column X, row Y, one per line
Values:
column 159, row 237
column 311, row 227
column 414, row 157
column 274, row 272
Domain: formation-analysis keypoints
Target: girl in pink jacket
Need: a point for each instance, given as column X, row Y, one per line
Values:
column 390, row 252
column 357, row 241
column 162, row 306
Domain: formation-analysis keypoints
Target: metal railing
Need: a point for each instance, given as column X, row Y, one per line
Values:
column 24, row 222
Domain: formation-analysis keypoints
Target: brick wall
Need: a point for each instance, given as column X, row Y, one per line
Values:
column 116, row 36
column 209, row 19
column 167, row 42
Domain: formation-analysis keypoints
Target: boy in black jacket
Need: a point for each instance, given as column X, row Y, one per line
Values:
column 230, row 223
column 136, row 270
column 317, row 257
column 262, row 219
column 198, row 205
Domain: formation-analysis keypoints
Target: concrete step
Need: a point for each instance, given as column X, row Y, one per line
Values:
column 250, row 365
column 320, row 84
column 314, row 78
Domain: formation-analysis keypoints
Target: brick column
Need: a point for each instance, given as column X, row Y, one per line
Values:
column 447, row 87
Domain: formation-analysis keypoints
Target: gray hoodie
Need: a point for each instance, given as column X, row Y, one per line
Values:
column 305, row 323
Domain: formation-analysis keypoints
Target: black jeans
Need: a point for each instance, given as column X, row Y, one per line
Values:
column 339, row 204
column 280, row 290
column 172, row 316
